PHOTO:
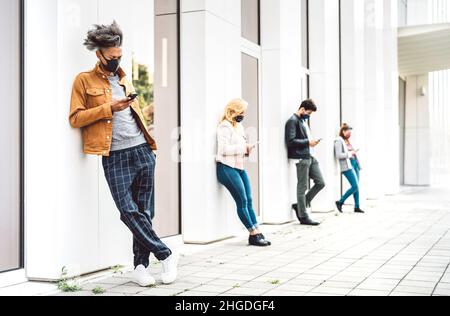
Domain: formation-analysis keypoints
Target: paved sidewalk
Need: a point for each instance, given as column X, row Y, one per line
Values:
column 400, row 248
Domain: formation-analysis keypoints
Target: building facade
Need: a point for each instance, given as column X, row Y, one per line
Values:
column 187, row 59
column 427, row 139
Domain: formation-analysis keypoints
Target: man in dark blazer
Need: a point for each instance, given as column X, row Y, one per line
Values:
column 301, row 144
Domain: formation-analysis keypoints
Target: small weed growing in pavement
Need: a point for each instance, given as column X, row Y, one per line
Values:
column 63, row 284
column 151, row 286
column 236, row 286
column 117, row 269
column 274, row 282
column 98, row 291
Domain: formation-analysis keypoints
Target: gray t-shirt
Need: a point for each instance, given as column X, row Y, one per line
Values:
column 126, row 131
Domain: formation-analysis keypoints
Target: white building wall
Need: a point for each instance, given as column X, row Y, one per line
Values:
column 439, row 92
column 428, row 12
column 373, row 176
column 391, row 98
column 281, row 96
column 439, row 98
column 353, row 78
column 420, row 169
column 325, row 90
column 70, row 217
column 370, row 91
column 417, row 132
column 211, row 76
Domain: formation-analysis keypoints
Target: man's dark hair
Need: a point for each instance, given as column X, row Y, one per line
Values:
column 308, row 105
column 104, row 36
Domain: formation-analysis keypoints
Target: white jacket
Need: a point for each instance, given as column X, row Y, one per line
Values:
column 342, row 154
column 231, row 145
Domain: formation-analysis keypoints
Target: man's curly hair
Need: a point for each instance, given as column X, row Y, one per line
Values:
column 104, row 36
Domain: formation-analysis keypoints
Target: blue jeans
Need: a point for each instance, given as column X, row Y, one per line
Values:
column 238, row 183
column 353, row 178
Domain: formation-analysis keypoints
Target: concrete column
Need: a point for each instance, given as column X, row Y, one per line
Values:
column 324, row 89
column 71, row 219
column 373, row 155
column 352, row 55
column 417, row 132
column 391, row 97
column 281, row 96
column 211, row 76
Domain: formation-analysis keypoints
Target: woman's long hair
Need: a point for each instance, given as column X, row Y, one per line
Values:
column 234, row 108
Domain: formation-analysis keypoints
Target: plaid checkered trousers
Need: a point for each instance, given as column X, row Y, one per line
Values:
column 130, row 174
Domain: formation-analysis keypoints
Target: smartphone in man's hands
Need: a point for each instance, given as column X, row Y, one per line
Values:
column 133, row 96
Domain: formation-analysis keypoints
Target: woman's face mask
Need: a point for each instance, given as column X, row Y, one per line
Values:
column 239, row 118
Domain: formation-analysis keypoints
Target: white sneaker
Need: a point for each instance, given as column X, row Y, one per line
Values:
column 142, row 277
column 170, row 267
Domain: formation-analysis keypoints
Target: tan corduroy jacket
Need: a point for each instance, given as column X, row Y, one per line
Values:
column 90, row 110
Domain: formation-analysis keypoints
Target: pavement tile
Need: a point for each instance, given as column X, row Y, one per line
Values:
column 406, row 255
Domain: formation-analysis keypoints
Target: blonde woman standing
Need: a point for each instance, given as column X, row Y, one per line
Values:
column 231, row 152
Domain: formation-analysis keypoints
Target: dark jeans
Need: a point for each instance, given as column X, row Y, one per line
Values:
column 353, row 178
column 130, row 174
column 238, row 183
column 308, row 169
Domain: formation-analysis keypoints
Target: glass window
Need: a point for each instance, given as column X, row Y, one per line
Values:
column 10, row 136
column 150, row 59
column 250, row 93
column 305, row 33
column 250, row 20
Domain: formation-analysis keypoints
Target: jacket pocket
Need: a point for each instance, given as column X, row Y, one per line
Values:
column 95, row 92
column 96, row 97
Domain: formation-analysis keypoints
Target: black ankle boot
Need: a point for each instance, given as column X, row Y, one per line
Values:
column 258, row 241
column 264, row 237
column 306, row 221
column 360, row 211
column 339, row 206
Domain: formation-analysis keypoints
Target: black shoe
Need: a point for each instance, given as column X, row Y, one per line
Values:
column 339, row 206
column 258, row 241
column 264, row 237
column 308, row 222
column 359, row 211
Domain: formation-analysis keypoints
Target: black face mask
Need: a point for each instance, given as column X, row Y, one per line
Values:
column 239, row 118
column 305, row 117
column 112, row 65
